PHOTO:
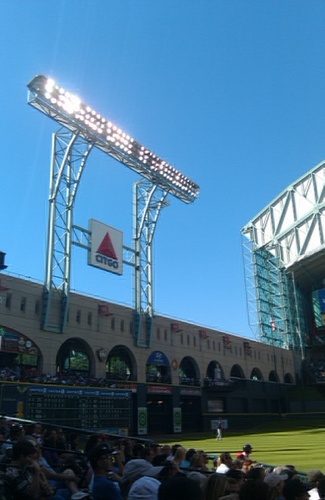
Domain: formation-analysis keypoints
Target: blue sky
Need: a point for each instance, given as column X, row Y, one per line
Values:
column 231, row 92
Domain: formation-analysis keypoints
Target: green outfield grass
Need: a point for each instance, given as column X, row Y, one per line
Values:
column 301, row 446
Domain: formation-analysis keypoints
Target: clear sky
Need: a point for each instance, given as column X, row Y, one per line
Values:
column 230, row 92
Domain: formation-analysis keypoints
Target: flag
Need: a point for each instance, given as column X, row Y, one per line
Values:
column 175, row 327
column 226, row 342
column 203, row 334
column 103, row 310
column 3, row 288
column 247, row 348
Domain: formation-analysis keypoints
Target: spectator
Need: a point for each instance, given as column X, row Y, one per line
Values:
column 138, row 450
column 224, row 462
column 276, row 481
column 198, row 462
column 321, row 489
column 186, row 462
column 64, row 483
column 166, row 449
column 314, row 476
column 24, row 474
column 144, row 488
column 216, row 486
column 287, row 469
column 4, row 429
column 199, row 478
column 160, row 459
column 256, row 472
column 295, row 489
column 179, row 455
column 93, row 440
column 179, row 487
column 16, row 432
column 103, row 488
column 134, row 469
column 256, row 490
column 236, row 479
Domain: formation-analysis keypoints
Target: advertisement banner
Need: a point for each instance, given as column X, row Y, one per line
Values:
column 142, row 421
column 177, row 420
column 106, row 247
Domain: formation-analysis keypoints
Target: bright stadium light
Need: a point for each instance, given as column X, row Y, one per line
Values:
column 70, row 112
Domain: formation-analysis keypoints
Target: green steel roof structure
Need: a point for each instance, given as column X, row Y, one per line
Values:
column 284, row 261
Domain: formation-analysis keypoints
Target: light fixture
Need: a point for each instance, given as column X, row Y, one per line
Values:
column 70, row 112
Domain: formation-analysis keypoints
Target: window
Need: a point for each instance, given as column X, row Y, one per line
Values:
column 8, row 300
column 166, row 337
column 113, row 323
column 122, row 325
column 194, row 341
column 78, row 316
column 23, row 304
column 158, row 333
column 90, row 319
column 37, row 307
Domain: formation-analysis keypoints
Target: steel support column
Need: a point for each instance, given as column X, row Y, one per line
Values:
column 69, row 156
column 149, row 199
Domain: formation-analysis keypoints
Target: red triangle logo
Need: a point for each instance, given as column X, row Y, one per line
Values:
column 106, row 248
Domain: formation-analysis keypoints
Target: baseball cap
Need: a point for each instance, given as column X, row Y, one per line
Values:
column 98, row 452
column 145, row 488
column 273, row 479
column 139, row 467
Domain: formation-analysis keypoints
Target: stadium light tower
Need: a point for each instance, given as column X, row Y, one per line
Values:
column 83, row 128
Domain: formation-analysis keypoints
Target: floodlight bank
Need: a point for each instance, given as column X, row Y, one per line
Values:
column 70, row 112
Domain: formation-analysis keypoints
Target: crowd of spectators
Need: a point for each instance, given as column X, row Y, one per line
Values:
column 316, row 367
column 31, row 375
column 51, row 463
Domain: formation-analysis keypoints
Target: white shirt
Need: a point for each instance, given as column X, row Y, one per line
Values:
column 222, row 469
column 313, row 494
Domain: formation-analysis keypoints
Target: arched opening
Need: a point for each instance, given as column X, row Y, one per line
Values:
column 215, row 371
column 288, row 379
column 74, row 359
column 20, row 357
column 158, row 368
column 256, row 375
column 120, row 364
column 273, row 377
column 237, row 372
column 189, row 372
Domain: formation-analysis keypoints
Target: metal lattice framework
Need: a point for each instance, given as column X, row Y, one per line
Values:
column 149, row 201
column 283, row 257
column 82, row 128
column 69, row 156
